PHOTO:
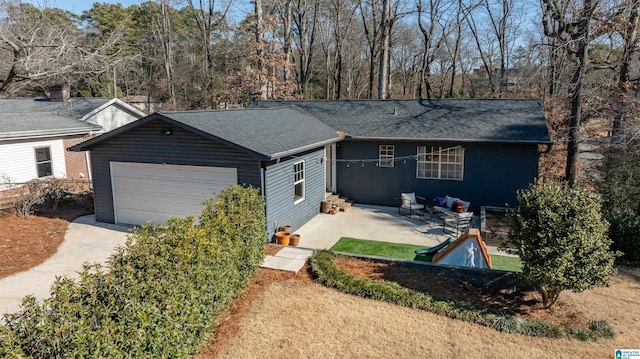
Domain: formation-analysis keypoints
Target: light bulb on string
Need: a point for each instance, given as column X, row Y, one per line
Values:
column 362, row 163
column 347, row 164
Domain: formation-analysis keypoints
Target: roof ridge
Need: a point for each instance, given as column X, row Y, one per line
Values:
column 231, row 109
column 405, row 100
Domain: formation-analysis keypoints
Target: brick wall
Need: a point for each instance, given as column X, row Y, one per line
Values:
column 76, row 162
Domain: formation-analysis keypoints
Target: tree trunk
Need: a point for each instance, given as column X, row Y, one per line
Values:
column 384, row 50
column 582, row 35
column 456, row 49
column 630, row 40
column 166, row 40
column 286, row 47
column 262, row 82
column 372, row 36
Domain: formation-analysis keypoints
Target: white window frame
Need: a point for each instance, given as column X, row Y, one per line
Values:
column 386, row 155
column 38, row 163
column 439, row 159
column 298, row 180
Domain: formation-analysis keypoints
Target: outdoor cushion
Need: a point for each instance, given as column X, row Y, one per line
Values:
column 450, row 201
column 441, row 201
column 408, row 198
column 409, row 202
column 466, row 205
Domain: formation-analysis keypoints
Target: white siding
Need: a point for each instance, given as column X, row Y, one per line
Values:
column 112, row 117
column 18, row 160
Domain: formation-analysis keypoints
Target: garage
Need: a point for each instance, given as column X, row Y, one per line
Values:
column 145, row 192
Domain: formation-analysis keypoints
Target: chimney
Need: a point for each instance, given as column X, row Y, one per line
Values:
column 59, row 93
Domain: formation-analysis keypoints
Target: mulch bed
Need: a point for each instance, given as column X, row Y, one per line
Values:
column 525, row 304
column 26, row 243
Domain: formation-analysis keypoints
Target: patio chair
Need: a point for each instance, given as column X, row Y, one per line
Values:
column 456, row 222
column 409, row 203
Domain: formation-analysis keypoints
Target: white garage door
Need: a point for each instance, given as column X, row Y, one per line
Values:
column 148, row 192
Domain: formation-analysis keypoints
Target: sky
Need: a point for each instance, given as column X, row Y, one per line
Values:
column 78, row 6
column 238, row 9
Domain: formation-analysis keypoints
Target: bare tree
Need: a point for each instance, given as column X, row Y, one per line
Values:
column 569, row 22
column 385, row 40
column 500, row 16
column 209, row 19
column 164, row 32
column 260, row 32
column 305, row 21
column 630, row 46
column 284, row 9
column 372, row 31
column 46, row 46
column 433, row 36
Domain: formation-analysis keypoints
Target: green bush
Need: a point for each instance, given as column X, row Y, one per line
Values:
column 625, row 234
column 326, row 272
column 161, row 296
column 561, row 239
column 620, row 188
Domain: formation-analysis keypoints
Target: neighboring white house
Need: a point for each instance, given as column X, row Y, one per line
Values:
column 35, row 133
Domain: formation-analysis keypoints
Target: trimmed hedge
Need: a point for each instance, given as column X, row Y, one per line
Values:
column 625, row 234
column 323, row 266
column 161, row 297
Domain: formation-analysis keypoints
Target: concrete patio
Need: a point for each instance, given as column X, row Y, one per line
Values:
column 376, row 223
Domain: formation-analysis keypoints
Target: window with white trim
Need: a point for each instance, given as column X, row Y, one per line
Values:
column 386, row 158
column 437, row 162
column 298, row 182
column 44, row 164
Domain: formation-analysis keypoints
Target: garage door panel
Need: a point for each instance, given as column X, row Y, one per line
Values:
column 147, row 192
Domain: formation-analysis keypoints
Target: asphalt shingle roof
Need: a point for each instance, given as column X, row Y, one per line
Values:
column 269, row 132
column 264, row 133
column 482, row 120
column 20, row 118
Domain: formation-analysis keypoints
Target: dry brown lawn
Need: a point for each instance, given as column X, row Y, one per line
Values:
column 296, row 318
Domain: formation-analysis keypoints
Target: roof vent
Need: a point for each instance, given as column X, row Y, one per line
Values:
column 395, row 111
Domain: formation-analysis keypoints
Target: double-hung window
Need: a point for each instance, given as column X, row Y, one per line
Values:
column 298, row 182
column 386, row 156
column 43, row 161
column 437, row 162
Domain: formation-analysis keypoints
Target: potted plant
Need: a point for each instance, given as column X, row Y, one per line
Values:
column 283, row 237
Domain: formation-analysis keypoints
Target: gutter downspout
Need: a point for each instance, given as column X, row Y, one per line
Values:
column 263, row 179
column 88, row 159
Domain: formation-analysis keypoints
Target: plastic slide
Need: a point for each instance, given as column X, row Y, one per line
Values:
column 432, row 250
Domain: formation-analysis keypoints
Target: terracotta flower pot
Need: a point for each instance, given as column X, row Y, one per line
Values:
column 283, row 238
column 294, row 240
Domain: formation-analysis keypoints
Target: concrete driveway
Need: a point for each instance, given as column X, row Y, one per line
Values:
column 85, row 241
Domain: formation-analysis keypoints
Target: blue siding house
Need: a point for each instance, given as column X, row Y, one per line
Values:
column 295, row 152
column 481, row 150
column 166, row 163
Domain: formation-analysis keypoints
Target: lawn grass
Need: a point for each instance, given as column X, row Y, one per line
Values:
column 407, row 251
